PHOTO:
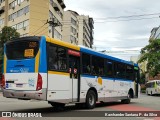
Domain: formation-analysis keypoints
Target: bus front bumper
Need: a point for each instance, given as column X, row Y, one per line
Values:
column 25, row 95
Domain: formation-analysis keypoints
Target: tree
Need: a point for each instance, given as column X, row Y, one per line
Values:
column 151, row 54
column 142, row 78
column 6, row 34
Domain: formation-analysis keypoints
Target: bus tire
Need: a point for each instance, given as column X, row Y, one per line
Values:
column 90, row 99
column 128, row 100
column 57, row 105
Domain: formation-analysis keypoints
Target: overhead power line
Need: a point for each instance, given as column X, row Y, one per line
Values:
column 125, row 20
column 116, row 20
column 41, row 30
column 128, row 16
column 38, row 29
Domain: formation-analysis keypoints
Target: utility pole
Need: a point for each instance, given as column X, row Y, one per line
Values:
column 54, row 24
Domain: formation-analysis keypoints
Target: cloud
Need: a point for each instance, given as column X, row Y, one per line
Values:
column 113, row 34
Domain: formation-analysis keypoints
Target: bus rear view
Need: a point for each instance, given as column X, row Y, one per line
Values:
column 22, row 77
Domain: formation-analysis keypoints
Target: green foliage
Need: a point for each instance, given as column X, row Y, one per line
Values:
column 151, row 54
column 6, row 34
column 142, row 78
column 143, row 90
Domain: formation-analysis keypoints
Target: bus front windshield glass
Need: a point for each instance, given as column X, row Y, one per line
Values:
column 22, row 50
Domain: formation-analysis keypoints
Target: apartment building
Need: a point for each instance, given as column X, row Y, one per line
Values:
column 78, row 29
column 30, row 17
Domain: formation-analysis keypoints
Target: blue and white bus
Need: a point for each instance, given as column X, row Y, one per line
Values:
column 44, row 68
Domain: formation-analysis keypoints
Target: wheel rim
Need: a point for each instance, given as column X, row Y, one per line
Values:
column 91, row 99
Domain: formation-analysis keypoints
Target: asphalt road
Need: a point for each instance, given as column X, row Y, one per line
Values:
column 144, row 104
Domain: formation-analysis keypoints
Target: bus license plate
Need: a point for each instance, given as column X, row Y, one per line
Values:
column 19, row 85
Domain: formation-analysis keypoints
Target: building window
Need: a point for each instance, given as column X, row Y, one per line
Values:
column 73, row 21
column 12, row 4
column 50, row 14
column 73, row 30
column 57, row 34
column 1, row 1
column 19, row 13
column 14, row 26
column 60, row 14
column 15, row 3
column 25, row 23
column 1, row 21
column 21, row 25
column 73, row 39
column 26, row 9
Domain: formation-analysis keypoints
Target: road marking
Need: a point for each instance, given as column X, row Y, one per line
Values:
column 125, row 107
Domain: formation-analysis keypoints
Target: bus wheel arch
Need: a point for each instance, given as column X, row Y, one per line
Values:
column 129, row 96
column 131, row 93
column 91, row 98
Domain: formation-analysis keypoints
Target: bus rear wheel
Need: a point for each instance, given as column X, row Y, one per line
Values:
column 91, row 99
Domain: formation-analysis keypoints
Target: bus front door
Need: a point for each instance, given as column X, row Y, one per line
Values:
column 136, row 72
column 74, row 69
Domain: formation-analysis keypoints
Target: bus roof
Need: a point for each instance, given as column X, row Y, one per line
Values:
column 90, row 51
column 62, row 43
column 78, row 48
column 23, row 38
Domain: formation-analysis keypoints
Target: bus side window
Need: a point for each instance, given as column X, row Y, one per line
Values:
column 101, row 71
column 93, row 70
column 86, row 69
column 109, row 66
column 120, row 70
column 97, row 66
column 57, row 58
column 130, row 73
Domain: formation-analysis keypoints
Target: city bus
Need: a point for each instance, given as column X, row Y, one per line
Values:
column 43, row 68
column 153, row 87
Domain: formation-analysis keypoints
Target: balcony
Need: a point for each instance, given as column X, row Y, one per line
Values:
column 2, row 10
column 59, row 1
column 63, row 5
column 55, row 6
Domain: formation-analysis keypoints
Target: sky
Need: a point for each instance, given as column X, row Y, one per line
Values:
column 123, row 26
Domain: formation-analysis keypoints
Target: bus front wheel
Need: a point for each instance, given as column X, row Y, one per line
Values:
column 90, row 99
column 128, row 100
column 57, row 105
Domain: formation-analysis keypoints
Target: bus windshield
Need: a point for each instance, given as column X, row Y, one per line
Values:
column 158, row 83
column 22, row 50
